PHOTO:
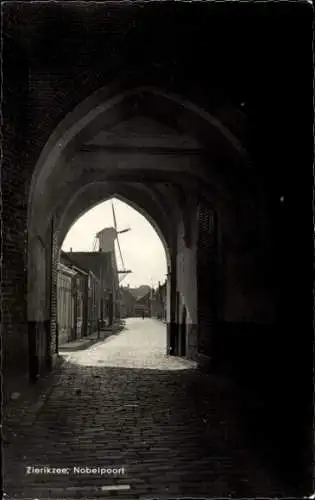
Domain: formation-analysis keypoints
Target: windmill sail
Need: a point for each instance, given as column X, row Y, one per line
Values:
column 121, row 257
column 124, row 271
column 95, row 244
column 117, row 239
column 114, row 217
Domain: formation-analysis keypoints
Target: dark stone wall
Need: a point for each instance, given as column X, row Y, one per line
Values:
column 97, row 44
column 50, row 249
column 39, row 354
column 14, row 184
column 207, row 248
column 53, row 305
column 205, row 47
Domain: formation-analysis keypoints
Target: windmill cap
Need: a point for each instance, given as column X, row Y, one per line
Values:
column 107, row 230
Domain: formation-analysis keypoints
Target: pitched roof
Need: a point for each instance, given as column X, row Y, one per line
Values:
column 99, row 263
column 144, row 299
column 140, row 291
column 66, row 261
column 65, row 269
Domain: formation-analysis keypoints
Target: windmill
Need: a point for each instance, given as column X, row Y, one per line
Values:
column 115, row 232
column 124, row 271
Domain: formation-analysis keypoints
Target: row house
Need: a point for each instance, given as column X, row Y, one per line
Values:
column 78, row 301
column 158, row 302
column 101, row 264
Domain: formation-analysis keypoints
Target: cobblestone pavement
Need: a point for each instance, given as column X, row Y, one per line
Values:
column 123, row 404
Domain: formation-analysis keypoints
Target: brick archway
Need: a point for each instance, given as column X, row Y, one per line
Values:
column 88, row 117
column 82, row 202
column 111, row 107
column 204, row 159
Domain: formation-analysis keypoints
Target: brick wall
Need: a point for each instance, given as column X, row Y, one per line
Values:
column 53, row 309
column 14, row 203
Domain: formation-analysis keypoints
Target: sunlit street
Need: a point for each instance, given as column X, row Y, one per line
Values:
column 141, row 345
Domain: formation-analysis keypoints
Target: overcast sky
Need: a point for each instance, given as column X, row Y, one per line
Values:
column 141, row 248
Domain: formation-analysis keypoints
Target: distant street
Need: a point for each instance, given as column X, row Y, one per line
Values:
column 123, row 405
column 141, row 345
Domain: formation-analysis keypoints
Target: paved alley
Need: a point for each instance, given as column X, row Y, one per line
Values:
column 141, row 345
column 123, row 415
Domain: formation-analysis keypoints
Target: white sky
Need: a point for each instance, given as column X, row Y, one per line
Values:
column 141, row 247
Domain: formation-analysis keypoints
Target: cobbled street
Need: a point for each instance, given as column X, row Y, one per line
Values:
column 122, row 404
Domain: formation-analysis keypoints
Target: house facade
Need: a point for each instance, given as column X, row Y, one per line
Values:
column 158, row 302
column 127, row 303
column 66, row 304
column 78, row 301
column 102, row 265
column 143, row 305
